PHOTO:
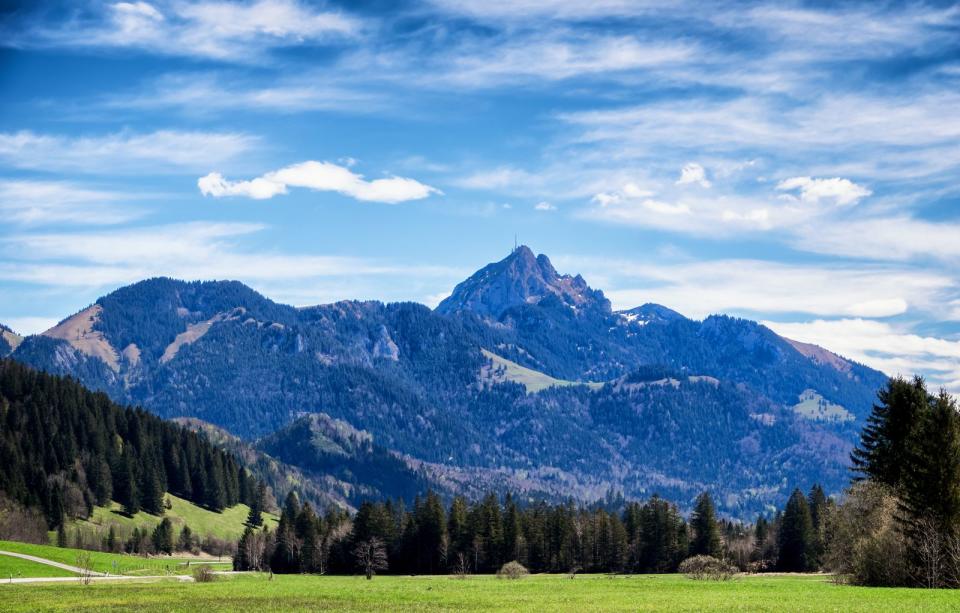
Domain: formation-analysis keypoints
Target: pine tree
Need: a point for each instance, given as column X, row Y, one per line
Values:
column 185, row 542
column 111, row 542
column 163, row 537
column 61, row 535
column 795, row 538
column 706, row 533
column 931, row 486
column 126, row 491
column 885, row 442
column 152, row 491
column 817, row 501
column 255, row 516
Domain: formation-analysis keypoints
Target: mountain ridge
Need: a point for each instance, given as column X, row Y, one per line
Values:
column 432, row 386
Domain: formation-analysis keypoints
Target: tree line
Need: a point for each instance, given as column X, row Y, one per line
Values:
column 65, row 449
column 466, row 538
column 897, row 525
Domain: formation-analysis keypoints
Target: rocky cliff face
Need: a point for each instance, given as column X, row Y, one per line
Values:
column 520, row 278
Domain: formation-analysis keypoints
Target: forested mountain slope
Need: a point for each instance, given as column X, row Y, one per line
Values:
column 674, row 406
column 65, row 450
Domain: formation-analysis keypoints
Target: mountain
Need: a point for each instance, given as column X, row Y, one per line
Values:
column 65, row 449
column 520, row 279
column 523, row 378
column 331, row 448
column 9, row 341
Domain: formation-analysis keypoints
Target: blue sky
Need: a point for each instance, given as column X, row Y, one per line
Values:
column 792, row 163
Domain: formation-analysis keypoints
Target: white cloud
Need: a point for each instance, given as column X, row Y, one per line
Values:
column 205, row 93
column 554, row 56
column 844, row 127
column 30, row 325
column 883, row 346
column 148, row 153
column 195, row 250
column 260, row 188
column 499, row 178
column 45, row 202
column 889, row 238
column 207, row 29
column 693, row 173
column 544, row 207
column 841, row 192
column 749, row 287
column 319, row 176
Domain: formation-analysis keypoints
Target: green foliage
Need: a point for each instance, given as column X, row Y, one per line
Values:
column 912, row 446
column 706, row 533
column 163, row 537
column 64, row 448
column 796, row 541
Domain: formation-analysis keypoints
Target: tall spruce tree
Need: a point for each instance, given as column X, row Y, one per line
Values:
column 795, row 537
column 817, row 501
column 255, row 516
column 886, row 440
column 706, row 533
column 930, row 491
column 163, row 537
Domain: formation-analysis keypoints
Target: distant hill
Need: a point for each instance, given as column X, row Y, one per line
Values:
column 523, row 376
column 65, row 450
column 9, row 341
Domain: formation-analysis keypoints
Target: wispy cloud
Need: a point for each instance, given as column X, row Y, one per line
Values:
column 32, row 203
column 93, row 260
column 206, row 29
column 145, row 153
column 205, row 93
column 882, row 345
column 318, row 176
column 698, row 289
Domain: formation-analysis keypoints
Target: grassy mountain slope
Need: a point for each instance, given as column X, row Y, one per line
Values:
column 228, row 524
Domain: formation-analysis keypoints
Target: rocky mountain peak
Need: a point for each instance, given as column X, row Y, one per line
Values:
column 520, row 278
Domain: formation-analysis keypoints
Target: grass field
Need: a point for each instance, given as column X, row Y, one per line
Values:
column 536, row 593
column 533, row 380
column 15, row 567
column 228, row 524
column 115, row 563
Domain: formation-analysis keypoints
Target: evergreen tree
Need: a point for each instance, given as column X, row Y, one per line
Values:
column 162, row 537
column 185, row 542
column 930, row 490
column 255, row 516
column 61, row 535
column 886, row 440
column 817, row 501
column 111, row 541
column 795, row 537
column 152, row 497
column 706, row 533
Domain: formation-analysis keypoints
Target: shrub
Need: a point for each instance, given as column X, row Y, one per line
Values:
column 707, row 567
column 865, row 544
column 512, row 570
column 204, row 574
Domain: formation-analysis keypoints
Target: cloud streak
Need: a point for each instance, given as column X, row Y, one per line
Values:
column 318, row 176
column 240, row 32
column 144, row 153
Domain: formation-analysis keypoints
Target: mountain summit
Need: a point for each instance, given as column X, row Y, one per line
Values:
column 520, row 278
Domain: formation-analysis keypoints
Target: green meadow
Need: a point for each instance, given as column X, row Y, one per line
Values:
column 258, row 592
column 114, row 563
